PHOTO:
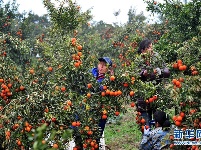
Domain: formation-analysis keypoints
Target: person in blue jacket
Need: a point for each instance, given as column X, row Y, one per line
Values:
column 158, row 138
column 104, row 66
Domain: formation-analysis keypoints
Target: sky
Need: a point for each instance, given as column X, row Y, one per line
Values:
column 101, row 9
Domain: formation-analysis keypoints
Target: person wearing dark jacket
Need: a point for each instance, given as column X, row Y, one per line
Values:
column 149, row 57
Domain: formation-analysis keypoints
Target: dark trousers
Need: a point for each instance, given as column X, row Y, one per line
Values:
column 102, row 123
column 147, row 116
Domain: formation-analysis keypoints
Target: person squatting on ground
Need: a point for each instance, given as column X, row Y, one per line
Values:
column 104, row 66
column 158, row 138
column 149, row 57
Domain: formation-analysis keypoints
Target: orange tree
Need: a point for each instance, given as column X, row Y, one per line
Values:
column 56, row 90
column 11, row 83
column 181, row 50
column 186, row 87
column 28, row 95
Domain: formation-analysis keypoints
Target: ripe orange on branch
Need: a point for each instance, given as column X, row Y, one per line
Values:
column 174, row 118
column 63, row 88
column 86, row 128
column 182, row 67
column 143, row 121
column 73, row 39
column 74, row 124
column 31, row 71
column 89, row 132
column 112, row 78
column 43, row 141
column 194, row 72
column 181, row 79
column 117, row 113
column 88, row 95
column 182, row 114
column 179, row 118
column 107, row 92
column 151, row 100
column 103, row 93
column 155, row 97
column 55, row 146
column 85, row 145
column 22, row 87
column 79, row 47
column 53, row 119
column 46, row 110
column 69, row 103
column 177, row 123
column 104, row 116
column 78, row 123
column 171, row 146
column 174, row 81
column 19, row 143
column 104, row 87
column 179, row 61
column 132, row 104
column 1, row 80
column 8, row 134
column 79, row 54
column 9, row 85
column 89, row 85
column 77, row 64
column 132, row 93
column 50, row 69
column 119, row 92
column 177, row 83
column 133, row 78
column 175, row 66
column 112, row 93
column 125, row 84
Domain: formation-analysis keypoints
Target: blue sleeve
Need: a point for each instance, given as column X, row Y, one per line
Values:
column 94, row 71
column 101, row 87
column 146, row 142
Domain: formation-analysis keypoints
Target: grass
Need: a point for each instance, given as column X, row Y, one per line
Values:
column 123, row 134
